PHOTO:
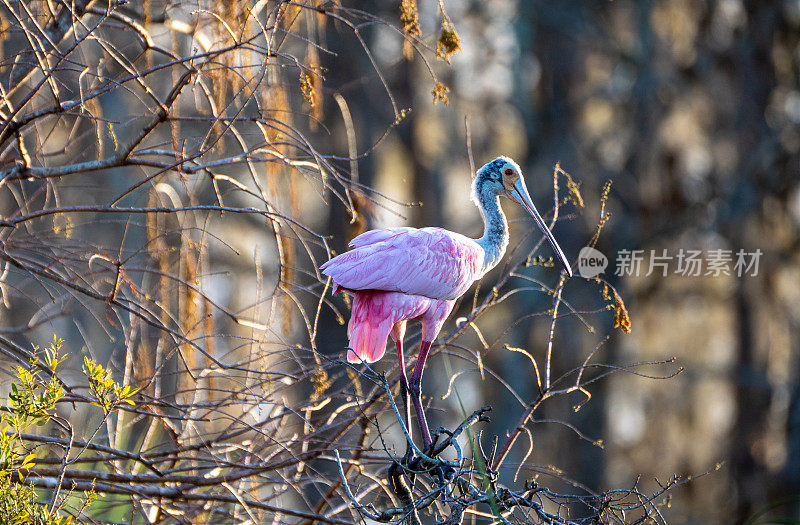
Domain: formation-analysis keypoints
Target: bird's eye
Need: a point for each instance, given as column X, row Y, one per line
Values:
column 509, row 172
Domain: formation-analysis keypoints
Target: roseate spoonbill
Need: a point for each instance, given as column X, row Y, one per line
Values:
column 403, row 274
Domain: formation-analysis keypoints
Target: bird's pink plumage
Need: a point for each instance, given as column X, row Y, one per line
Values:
column 374, row 314
column 431, row 262
column 398, row 275
column 374, row 236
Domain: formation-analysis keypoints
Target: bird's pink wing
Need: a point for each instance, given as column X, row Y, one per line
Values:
column 373, row 236
column 431, row 262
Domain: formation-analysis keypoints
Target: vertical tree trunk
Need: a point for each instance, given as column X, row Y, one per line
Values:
column 756, row 79
column 791, row 470
column 427, row 186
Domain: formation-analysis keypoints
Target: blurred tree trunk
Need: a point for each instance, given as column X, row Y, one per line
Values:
column 756, row 83
column 427, row 185
column 752, row 401
column 552, row 40
column 791, row 470
column 339, row 75
column 556, row 46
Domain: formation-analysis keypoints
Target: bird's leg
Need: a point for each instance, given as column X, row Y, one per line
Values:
column 406, row 400
column 415, row 385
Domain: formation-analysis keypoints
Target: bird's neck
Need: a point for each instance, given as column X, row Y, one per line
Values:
column 495, row 229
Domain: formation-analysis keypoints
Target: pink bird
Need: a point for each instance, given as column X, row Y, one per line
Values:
column 406, row 274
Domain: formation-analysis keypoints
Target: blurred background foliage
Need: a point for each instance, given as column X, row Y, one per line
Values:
column 690, row 107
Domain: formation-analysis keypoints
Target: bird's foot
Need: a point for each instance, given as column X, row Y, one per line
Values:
column 417, row 464
column 403, row 486
column 445, row 474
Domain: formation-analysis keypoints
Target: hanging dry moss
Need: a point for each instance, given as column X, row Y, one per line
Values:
column 573, row 188
column 321, row 382
column 604, row 215
column 440, row 92
column 313, row 64
column 409, row 18
column 449, row 43
column 307, row 87
column 621, row 318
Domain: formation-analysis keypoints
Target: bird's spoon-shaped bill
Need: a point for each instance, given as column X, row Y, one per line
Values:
column 519, row 194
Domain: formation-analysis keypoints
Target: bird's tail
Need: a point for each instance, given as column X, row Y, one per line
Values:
column 368, row 328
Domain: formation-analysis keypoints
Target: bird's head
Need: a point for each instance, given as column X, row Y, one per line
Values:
column 503, row 176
